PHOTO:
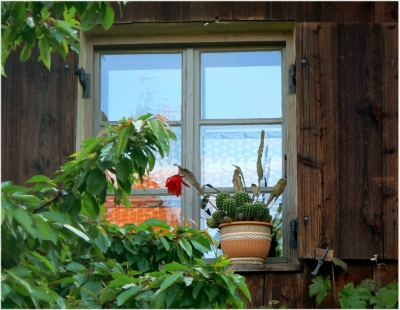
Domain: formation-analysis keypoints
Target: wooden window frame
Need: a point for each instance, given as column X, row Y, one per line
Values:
column 195, row 37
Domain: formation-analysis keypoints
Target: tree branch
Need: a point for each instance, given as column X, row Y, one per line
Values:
column 48, row 203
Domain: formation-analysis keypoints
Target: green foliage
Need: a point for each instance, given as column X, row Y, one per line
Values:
column 354, row 298
column 57, row 253
column 54, row 25
column 319, row 288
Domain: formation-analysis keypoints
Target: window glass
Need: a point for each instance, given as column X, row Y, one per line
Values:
column 137, row 84
column 225, row 146
column 241, row 85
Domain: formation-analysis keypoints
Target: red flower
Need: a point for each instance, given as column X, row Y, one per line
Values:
column 174, row 184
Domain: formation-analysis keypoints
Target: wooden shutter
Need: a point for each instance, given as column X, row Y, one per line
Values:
column 346, row 123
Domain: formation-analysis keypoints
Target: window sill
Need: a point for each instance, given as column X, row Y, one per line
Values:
column 267, row 268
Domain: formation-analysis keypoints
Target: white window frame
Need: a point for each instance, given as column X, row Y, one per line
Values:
column 196, row 37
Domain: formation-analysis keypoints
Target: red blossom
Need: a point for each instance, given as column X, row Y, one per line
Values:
column 174, row 184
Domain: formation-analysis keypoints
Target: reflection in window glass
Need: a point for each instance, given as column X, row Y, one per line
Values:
column 225, row 146
column 167, row 208
column 137, row 84
column 241, row 85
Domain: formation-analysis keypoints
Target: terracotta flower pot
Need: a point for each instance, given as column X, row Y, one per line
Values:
column 246, row 242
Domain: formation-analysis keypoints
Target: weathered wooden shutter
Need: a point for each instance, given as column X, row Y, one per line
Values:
column 38, row 114
column 347, row 138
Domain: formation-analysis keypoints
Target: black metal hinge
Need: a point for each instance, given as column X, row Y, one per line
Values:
column 292, row 79
column 84, row 79
column 293, row 234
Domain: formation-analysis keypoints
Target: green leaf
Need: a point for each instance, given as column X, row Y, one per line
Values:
column 123, row 137
column 64, row 281
column 197, row 288
column 26, row 52
column 339, row 262
column 320, row 288
column 18, row 14
column 77, row 232
column 386, row 298
column 42, row 227
column 23, row 218
column 86, row 151
column 123, row 280
column 55, row 216
column 241, row 283
column 108, row 294
column 44, row 48
column 354, row 298
column 186, row 246
column 170, row 280
column 211, row 291
column 158, row 299
column 42, row 293
column 156, row 222
column 5, row 290
column 102, row 242
column 124, row 169
column 151, row 159
column 108, row 18
column 96, row 181
column 122, row 298
column 91, row 289
column 91, row 206
column 368, row 284
column 39, row 178
column 44, row 260
column 90, row 17
column 139, row 157
column 165, row 243
column 77, row 267
column 173, row 267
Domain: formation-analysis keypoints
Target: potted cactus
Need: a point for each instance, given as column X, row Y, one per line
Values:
column 244, row 222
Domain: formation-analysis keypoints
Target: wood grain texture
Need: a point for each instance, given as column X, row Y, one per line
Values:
column 386, row 273
column 199, row 11
column 347, row 11
column 168, row 11
column 291, row 290
column 45, row 115
column 389, row 181
column 386, row 11
column 299, row 11
column 360, row 140
column 317, row 137
column 255, row 283
column 249, row 10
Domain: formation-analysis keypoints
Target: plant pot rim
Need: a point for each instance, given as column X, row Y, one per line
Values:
column 246, row 223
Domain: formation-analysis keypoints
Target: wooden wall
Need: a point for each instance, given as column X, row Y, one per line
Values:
column 347, row 130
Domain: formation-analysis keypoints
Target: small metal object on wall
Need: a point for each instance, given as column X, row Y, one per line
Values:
column 84, row 79
column 292, row 79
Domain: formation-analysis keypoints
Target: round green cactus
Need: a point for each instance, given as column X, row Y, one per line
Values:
column 239, row 214
column 248, row 211
column 218, row 216
column 220, row 199
column 258, row 210
column 229, row 206
column 266, row 216
column 241, row 198
column 227, row 219
column 212, row 222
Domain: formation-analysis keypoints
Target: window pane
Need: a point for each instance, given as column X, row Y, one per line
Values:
column 241, row 85
column 222, row 146
column 137, row 84
column 167, row 208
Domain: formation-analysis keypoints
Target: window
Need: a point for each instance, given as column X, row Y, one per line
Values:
column 217, row 96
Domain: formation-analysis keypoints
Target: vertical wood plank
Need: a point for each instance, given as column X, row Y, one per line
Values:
column 299, row 11
column 199, row 11
column 355, row 11
column 290, row 289
column 255, row 284
column 386, row 11
column 248, row 10
column 126, row 9
column 386, row 273
column 11, row 103
column 47, row 114
column 317, row 137
column 390, row 66
column 168, row 11
column 143, row 11
column 360, row 141
column 225, row 10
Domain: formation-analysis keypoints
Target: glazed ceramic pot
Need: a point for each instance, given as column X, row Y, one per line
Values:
column 246, row 242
